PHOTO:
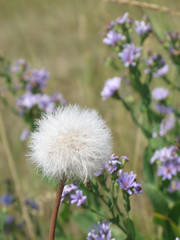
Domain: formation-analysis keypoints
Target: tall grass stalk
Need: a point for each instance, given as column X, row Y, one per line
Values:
column 17, row 183
column 151, row 6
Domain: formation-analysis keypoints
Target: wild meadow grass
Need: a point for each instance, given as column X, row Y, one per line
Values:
column 66, row 38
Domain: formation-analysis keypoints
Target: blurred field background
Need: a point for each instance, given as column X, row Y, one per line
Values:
column 65, row 37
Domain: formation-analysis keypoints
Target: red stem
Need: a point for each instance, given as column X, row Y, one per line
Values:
column 56, row 209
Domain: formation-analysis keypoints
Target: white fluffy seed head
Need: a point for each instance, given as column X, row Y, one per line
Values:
column 71, row 142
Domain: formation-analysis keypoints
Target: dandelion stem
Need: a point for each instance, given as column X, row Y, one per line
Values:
column 56, row 209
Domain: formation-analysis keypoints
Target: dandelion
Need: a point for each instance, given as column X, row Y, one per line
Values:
column 71, row 143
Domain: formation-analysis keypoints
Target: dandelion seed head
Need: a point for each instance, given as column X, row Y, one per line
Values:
column 71, row 142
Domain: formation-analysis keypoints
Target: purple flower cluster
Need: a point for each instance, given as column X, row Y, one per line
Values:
column 110, row 87
column 36, row 79
column 73, row 195
column 34, row 101
column 112, row 166
column 127, row 182
column 113, row 37
column 156, row 66
column 142, row 28
column 100, row 231
column 129, row 54
column 168, row 165
column 43, row 102
column 172, row 44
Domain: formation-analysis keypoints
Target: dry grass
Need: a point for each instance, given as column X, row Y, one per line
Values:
column 65, row 37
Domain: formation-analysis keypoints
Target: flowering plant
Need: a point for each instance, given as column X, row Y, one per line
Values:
column 137, row 70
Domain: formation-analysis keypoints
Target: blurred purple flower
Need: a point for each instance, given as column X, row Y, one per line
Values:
column 129, row 54
column 19, row 65
column 110, row 25
column 113, row 37
column 28, row 100
column 100, row 231
column 164, row 154
column 142, row 27
column 98, row 173
column 38, row 78
column 125, row 158
column 166, row 125
column 45, row 103
column 58, row 98
column 6, row 200
column 137, row 188
column 160, row 93
column 31, row 203
column 174, row 186
column 78, row 198
column 124, row 19
column 166, row 171
column 24, row 135
column 157, row 66
column 111, row 85
column 127, row 181
column 162, row 109
column 9, row 220
column 161, row 71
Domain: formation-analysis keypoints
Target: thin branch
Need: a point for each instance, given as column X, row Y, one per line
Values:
column 147, row 5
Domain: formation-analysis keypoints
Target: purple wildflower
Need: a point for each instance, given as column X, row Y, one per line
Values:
column 174, row 186
column 27, row 101
column 19, row 66
column 164, row 154
column 31, row 203
column 124, row 19
column 78, row 198
column 111, row 85
column 125, row 158
column 114, row 164
column 6, row 200
column 127, row 181
column 37, row 78
column 160, row 93
column 161, row 71
column 58, row 98
column 157, row 66
column 166, row 170
column 162, row 109
column 166, row 125
column 142, row 27
column 24, row 135
column 100, row 231
column 68, row 189
column 129, row 54
column 45, row 103
column 113, row 37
